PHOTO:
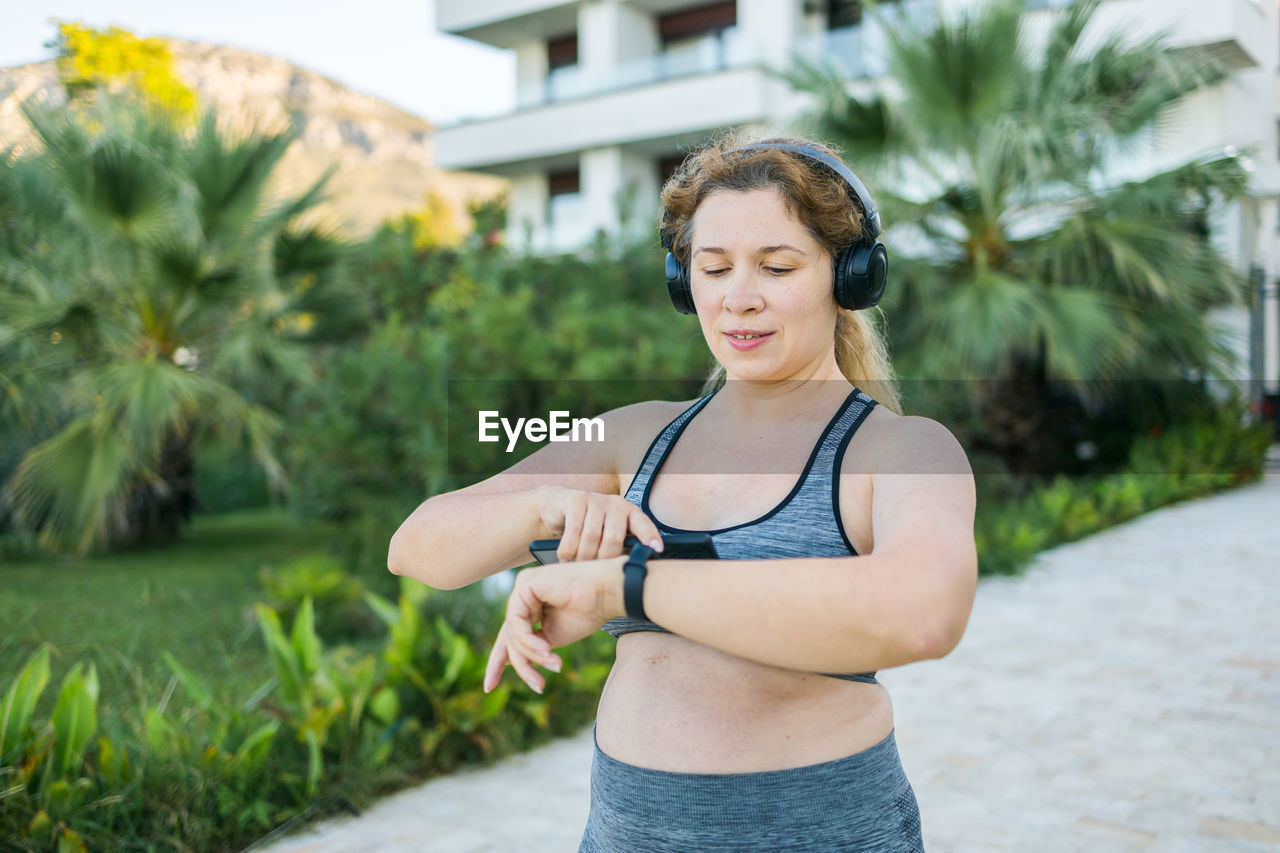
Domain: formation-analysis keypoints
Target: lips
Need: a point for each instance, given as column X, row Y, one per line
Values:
column 758, row 339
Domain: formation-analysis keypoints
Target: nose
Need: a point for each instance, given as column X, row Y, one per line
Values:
column 744, row 292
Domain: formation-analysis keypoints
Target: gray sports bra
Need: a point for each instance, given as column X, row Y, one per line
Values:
column 806, row 523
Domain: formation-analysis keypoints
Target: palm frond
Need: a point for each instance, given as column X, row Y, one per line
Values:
column 960, row 72
column 980, row 321
column 68, row 485
column 230, row 175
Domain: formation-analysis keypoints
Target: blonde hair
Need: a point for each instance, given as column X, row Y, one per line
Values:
column 818, row 198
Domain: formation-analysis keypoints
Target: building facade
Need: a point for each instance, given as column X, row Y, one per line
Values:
column 612, row 93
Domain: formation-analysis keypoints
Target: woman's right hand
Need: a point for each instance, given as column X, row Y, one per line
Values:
column 591, row 525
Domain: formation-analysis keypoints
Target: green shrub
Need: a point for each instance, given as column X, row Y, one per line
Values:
column 330, row 727
column 319, row 577
column 1217, row 450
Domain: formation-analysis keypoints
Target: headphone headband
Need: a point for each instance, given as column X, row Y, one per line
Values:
column 871, row 217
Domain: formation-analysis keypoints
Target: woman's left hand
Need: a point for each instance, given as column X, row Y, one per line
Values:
column 572, row 600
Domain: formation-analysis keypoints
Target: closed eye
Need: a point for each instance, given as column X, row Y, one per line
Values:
column 774, row 270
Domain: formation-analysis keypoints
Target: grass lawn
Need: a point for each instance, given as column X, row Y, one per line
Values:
column 194, row 598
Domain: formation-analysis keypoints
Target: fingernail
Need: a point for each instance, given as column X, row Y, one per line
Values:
column 554, row 666
column 655, row 544
column 537, row 690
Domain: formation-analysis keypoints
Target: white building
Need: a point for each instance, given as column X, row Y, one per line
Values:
column 612, row 93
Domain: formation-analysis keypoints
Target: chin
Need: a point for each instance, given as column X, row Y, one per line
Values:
column 737, row 370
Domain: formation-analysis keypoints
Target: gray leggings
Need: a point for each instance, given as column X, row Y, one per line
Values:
column 862, row 802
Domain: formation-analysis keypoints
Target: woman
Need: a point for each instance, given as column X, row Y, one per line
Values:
column 745, row 715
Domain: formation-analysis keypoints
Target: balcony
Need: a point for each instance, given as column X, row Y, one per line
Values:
column 717, row 81
column 846, row 47
column 861, row 51
column 691, row 104
column 1238, row 32
column 505, row 23
column 709, row 54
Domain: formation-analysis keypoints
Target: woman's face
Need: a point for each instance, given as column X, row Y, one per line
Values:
column 754, row 269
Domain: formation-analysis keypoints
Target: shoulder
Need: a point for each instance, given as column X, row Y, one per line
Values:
column 909, row 444
column 914, row 476
column 634, row 428
column 640, row 423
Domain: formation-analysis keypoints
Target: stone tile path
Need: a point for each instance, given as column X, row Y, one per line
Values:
column 1123, row 695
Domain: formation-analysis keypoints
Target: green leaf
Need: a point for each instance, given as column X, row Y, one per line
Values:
column 70, row 842
column 19, row 704
column 494, row 701
column 385, row 610
column 306, row 645
column 283, row 656
column 195, row 686
column 256, row 748
column 161, row 737
column 538, row 710
column 459, row 652
column 75, row 718
column 113, row 764
column 315, row 763
column 385, row 705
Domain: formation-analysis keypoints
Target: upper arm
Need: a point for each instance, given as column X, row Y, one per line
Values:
column 923, row 502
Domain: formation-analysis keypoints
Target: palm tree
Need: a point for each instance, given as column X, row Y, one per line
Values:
column 1019, row 253
column 181, row 298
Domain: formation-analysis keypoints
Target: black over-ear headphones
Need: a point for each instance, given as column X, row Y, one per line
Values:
column 860, row 269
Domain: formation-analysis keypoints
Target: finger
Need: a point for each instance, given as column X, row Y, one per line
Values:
column 523, row 609
column 573, row 514
column 644, row 528
column 592, row 524
column 615, row 533
column 497, row 660
column 550, row 660
column 524, row 669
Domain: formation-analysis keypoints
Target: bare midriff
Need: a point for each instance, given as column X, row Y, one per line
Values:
column 674, row 704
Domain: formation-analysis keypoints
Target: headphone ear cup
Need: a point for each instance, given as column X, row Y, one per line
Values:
column 678, row 285
column 860, row 275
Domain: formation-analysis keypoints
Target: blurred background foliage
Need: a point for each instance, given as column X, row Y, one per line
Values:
column 1032, row 265
column 125, row 66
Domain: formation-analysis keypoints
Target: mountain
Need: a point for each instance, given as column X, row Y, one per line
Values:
column 384, row 154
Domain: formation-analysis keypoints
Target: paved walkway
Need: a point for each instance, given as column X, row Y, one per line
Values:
column 1123, row 695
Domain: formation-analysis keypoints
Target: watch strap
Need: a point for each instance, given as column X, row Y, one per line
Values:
column 634, row 571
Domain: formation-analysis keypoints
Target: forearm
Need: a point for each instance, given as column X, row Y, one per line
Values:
column 453, row 540
column 837, row 615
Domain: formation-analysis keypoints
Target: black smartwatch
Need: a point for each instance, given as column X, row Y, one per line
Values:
column 634, row 572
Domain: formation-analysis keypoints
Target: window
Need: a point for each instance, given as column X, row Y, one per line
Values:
column 667, row 167
column 566, row 209
column 699, row 21
column 696, row 40
column 846, row 13
column 562, row 51
column 564, row 77
column 843, row 13
column 563, row 182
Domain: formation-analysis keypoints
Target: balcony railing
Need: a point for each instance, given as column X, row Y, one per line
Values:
column 861, row 51
column 712, row 53
column 845, row 47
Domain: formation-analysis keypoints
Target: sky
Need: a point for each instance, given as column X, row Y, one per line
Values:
column 386, row 48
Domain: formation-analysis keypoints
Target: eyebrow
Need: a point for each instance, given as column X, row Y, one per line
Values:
column 762, row 250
